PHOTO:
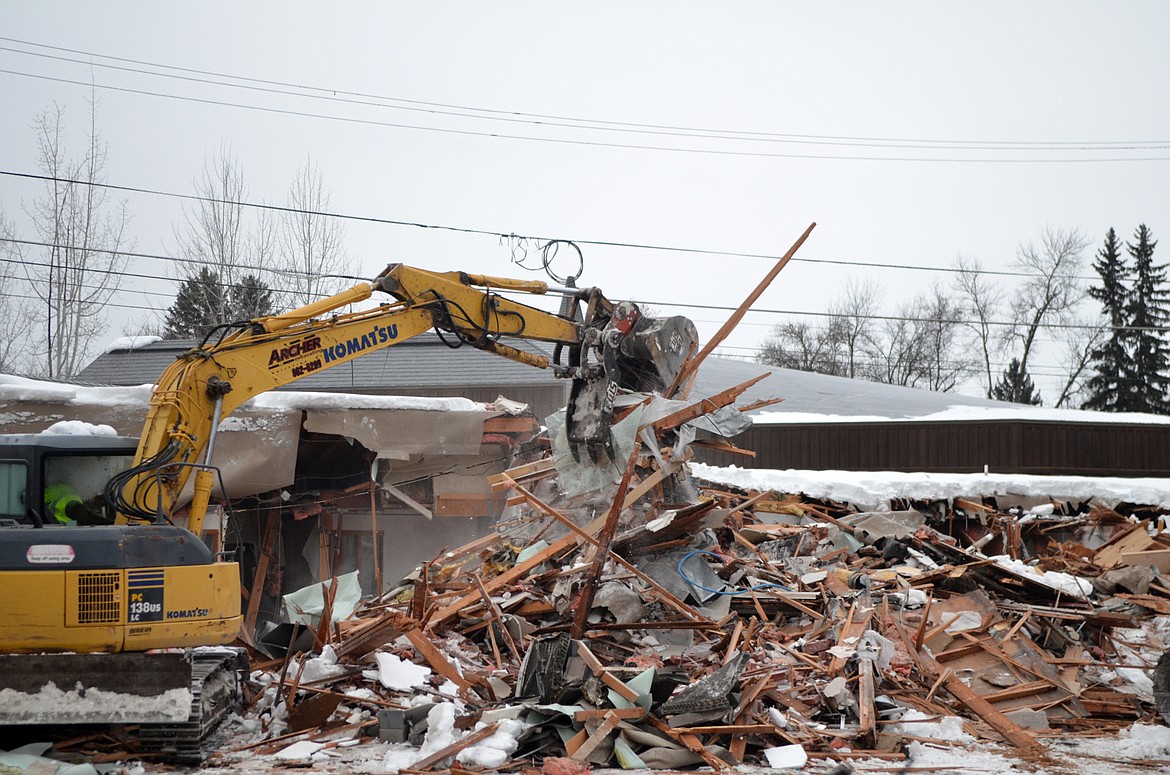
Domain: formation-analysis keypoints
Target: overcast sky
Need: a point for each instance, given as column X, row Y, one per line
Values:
column 910, row 132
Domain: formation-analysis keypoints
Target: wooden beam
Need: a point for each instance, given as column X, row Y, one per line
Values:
column 268, row 544
column 621, row 713
column 644, row 487
column 1011, row 731
column 515, row 573
column 706, row 405
column 608, row 724
column 692, row 364
column 866, row 712
column 665, row 594
column 433, row 657
column 608, row 530
column 690, row 741
column 607, row 678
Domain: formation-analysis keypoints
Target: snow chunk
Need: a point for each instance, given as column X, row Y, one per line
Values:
column 400, row 675
column 14, row 388
column 1141, row 741
column 933, row 759
column 1064, row 582
column 399, row 757
column 78, row 428
column 303, row 400
column 786, row 757
column 482, row 756
column 322, row 667
column 440, row 729
column 949, row 728
column 302, row 749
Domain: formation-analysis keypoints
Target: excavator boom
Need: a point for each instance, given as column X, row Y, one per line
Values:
column 601, row 346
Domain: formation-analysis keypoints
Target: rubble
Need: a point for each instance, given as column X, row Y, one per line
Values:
column 630, row 616
column 622, row 627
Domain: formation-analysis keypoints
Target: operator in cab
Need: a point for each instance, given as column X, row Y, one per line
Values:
column 63, row 504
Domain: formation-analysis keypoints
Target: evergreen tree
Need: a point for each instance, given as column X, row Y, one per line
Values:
column 251, row 298
column 1016, row 386
column 1148, row 312
column 203, row 303
column 1113, row 366
column 197, row 306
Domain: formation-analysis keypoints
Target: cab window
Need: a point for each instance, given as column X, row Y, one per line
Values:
column 13, row 482
column 84, row 476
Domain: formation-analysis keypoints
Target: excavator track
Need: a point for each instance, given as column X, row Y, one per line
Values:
column 215, row 692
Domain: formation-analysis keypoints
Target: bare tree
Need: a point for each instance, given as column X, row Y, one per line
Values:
column 919, row 346
column 980, row 306
column 312, row 241
column 220, row 237
column 1081, row 338
column 16, row 308
column 1051, row 289
column 803, row 347
column 943, row 363
column 79, row 268
column 852, row 323
column 895, row 352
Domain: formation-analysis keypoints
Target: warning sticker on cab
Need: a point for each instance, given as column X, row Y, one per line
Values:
column 50, row 554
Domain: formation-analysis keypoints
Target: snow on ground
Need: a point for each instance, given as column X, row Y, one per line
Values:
column 84, row 705
column 875, row 489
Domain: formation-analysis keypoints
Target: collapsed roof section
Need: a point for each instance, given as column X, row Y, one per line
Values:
column 257, row 448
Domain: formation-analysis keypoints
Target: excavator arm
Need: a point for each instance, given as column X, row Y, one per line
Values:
column 604, row 347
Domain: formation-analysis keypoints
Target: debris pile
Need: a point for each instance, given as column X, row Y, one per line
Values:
column 625, row 615
column 636, row 619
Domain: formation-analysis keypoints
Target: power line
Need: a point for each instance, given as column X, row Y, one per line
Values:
column 1032, row 367
column 900, row 318
column 514, row 236
column 123, row 273
column 647, row 302
column 765, row 324
column 159, row 257
column 544, row 120
column 567, row 141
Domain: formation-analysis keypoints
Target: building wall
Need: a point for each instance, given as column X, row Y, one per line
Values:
column 1087, row 449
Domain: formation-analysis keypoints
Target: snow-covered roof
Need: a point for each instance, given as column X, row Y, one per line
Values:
column 820, row 398
column 424, row 362
column 13, row 388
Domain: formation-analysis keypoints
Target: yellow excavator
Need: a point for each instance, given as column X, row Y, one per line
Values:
column 143, row 608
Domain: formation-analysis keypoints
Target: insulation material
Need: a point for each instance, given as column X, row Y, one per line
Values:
column 396, row 434
column 255, row 451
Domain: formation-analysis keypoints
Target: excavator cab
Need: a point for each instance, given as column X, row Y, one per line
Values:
column 50, row 480
column 72, row 582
